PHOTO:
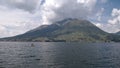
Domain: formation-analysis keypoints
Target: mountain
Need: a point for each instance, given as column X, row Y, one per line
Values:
column 67, row 30
column 118, row 33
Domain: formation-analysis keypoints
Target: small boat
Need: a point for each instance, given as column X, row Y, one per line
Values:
column 32, row 45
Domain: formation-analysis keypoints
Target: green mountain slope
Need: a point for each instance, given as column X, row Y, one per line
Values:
column 68, row 30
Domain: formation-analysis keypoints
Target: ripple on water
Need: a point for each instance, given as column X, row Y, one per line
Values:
column 100, row 63
column 2, row 67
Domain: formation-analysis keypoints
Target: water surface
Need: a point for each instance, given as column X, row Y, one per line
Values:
column 59, row 55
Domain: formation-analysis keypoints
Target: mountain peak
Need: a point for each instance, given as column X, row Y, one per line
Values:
column 118, row 33
column 72, row 21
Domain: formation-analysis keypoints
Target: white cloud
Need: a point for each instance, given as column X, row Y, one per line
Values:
column 13, row 22
column 110, row 28
column 113, row 24
column 115, row 12
column 55, row 10
column 99, row 14
column 28, row 5
column 18, row 16
column 104, row 1
column 107, row 27
column 98, row 24
column 115, row 18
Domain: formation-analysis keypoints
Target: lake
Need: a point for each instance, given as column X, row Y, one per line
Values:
column 59, row 55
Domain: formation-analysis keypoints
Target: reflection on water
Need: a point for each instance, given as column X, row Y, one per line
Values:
column 59, row 55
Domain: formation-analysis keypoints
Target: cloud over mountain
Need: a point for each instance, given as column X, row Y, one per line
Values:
column 54, row 10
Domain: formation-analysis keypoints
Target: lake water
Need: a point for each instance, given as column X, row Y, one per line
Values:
column 59, row 55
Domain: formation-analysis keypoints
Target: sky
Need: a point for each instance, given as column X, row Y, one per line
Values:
column 19, row 16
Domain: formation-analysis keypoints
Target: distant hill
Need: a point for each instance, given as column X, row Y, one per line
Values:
column 68, row 30
column 118, row 33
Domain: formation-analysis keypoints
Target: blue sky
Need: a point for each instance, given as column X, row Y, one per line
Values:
column 109, row 5
column 19, row 16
